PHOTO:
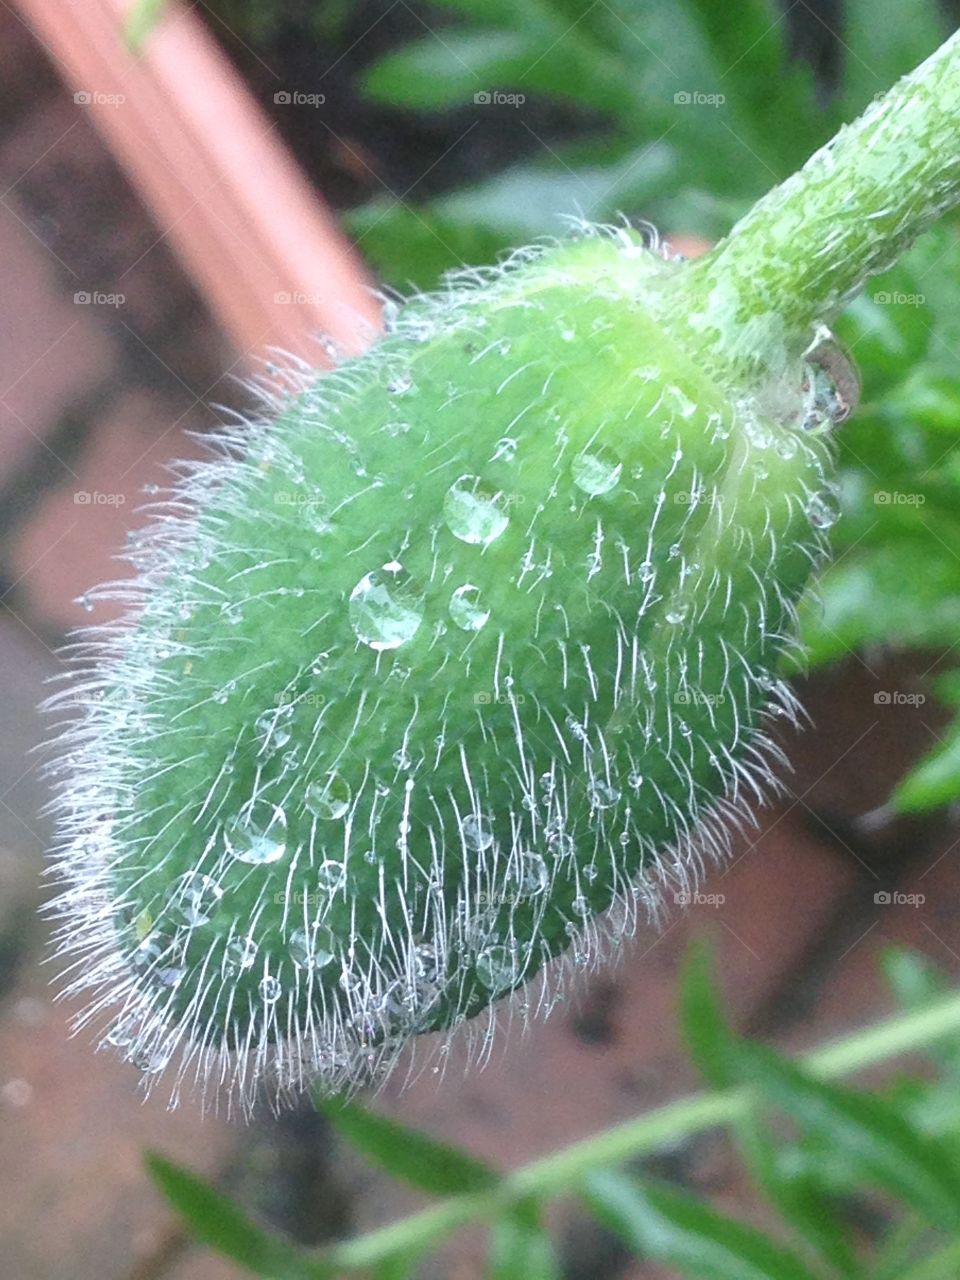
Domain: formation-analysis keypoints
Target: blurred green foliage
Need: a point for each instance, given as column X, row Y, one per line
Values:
column 860, row 1184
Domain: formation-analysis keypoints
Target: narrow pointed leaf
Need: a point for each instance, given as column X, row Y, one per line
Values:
column 521, row 1248
column 218, row 1223
column 679, row 1231
column 408, row 1154
column 898, row 1157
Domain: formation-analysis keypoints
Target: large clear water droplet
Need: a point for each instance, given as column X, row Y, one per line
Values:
column 474, row 514
column 313, row 948
column 258, row 835
column 831, row 385
column 330, row 798
column 273, row 728
column 596, row 470
column 821, row 513
column 476, row 832
column 466, row 610
column 385, row 611
column 495, row 968
column 533, row 878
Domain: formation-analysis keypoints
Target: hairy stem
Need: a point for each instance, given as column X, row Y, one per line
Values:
column 563, row 1169
column 848, row 214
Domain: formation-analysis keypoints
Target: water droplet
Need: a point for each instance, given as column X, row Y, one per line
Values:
column 329, row 875
column 506, row 450
column 194, row 901
column 495, row 968
column 239, row 954
column 330, row 798
column 634, row 780
column 472, row 513
column 400, row 385
column 312, row 949
column 466, row 610
column 273, row 728
column 258, row 835
column 270, row 990
column 123, row 1034
column 533, row 878
column 384, row 609
column 395, row 429
column 821, row 514
column 831, row 385
column 602, row 794
column 581, row 905
column 596, row 470
column 85, row 603
column 676, row 614
column 476, row 833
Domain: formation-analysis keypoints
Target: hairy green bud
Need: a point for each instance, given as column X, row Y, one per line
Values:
column 441, row 673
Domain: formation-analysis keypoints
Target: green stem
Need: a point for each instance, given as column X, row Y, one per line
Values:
column 850, row 212
column 561, row 1170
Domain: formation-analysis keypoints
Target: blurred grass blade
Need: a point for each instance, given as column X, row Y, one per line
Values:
column 407, row 1154
column 706, row 1032
column 679, row 1231
column 871, row 1133
column 219, row 1224
column 520, row 1248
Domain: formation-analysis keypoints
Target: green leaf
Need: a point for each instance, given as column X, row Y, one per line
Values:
column 407, row 1154
column 416, row 244
column 705, row 1030
column 520, row 1247
column 679, row 1231
column 715, row 1050
column 450, row 69
column 219, row 1224
column 936, row 780
column 883, row 1144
